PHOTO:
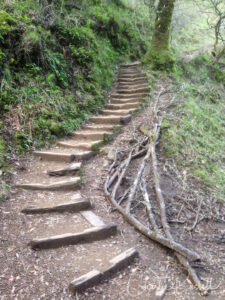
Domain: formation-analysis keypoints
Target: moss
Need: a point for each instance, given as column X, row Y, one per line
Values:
column 2, row 146
column 159, row 54
column 45, row 112
column 6, row 21
column 160, row 60
column 55, row 128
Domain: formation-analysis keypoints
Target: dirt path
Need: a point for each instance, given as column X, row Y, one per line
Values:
column 47, row 273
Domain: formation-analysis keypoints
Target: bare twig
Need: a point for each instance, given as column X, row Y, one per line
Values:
column 142, row 228
column 136, row 181
column 148, row 204
column 197, row 216
column 183, row 260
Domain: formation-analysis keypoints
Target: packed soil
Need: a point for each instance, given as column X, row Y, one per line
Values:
column 32, row 275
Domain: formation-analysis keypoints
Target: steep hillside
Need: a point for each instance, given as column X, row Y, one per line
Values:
column 57, row 61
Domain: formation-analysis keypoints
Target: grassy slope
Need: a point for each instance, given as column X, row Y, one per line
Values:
column 193, row 132
column 57, row 63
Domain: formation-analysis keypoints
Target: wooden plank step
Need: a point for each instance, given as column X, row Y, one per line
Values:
column 91, row 135
column 112, row 119
column 133, row 91
column 76, row 196
column 95, row 277
column 88, row 235
column 56, row 155
column 92, row 218
column 131, row 73
column 125, row 100
column 63, row 207
column 123, row 106
column 88, row 145
column 119, row 112
column 132, row 87
column 129, row 96
column 132, row 77
column 130, row 65
column 100, row 127
column 68, row 170
column 71, row 184
column 132, row 82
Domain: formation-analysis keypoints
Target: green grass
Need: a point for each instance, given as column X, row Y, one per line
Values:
column 193, row 133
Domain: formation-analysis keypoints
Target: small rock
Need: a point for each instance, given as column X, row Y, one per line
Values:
column 111, row 153
column 105, row 163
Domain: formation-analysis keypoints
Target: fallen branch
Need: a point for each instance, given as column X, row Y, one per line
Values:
column 183, row 260
column 182, row 253
column 148, row 205
column 136, row 181
column 142, row 228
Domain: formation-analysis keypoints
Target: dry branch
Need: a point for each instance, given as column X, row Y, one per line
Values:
column 137, row 180
column 182, row 253
column 142, row 228
column 183, row 260
column 148, row 204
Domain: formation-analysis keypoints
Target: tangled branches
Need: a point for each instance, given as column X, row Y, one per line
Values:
column 125, row 203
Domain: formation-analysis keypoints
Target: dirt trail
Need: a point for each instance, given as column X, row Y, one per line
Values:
column 46, row 274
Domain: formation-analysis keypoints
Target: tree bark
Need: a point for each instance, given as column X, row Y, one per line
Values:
column 159, row 54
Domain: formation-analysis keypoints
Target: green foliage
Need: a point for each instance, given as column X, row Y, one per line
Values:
column 193, row 133
column 6, row 22
column 55, row 70
column 160, row 60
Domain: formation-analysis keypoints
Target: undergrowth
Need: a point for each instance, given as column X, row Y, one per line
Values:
column 57, row 61
column 193, row 132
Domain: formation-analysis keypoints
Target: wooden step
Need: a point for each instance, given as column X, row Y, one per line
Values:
column 133, row 91
column 68, row 170
column 110, row 119
column 95, row 277
column 123, row 101
column 119, row 112
column 100, row 127
column 122, row 106
column 133, row 86
column 132, row 77
column 129, row 96
column 88, row 235
column 131, row 73
column 92, row 218
column 130, row 65
column 71, row 184
column 63, row 207
column 131, row 82
column 57, row 155
column 88, row 145
column 91, row 134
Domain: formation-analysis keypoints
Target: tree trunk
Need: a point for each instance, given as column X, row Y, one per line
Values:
column 159, row 54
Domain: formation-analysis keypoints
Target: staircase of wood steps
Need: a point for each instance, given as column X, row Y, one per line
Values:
column 65, row 162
